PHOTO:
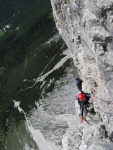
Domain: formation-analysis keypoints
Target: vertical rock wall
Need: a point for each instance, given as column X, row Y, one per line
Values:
column 87, row 28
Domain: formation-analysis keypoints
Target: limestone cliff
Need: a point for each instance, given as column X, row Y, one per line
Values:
column 87, row 28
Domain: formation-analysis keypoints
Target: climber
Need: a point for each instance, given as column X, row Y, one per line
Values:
column 83, row 101
column 78, row 82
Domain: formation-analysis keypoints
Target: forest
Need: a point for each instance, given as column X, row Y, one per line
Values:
column 20, row 28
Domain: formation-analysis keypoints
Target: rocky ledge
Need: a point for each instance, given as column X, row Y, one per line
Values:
column 87, row 28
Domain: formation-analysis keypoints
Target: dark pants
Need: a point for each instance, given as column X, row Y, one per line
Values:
column 82, row 105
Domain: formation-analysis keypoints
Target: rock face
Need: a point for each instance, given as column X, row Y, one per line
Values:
column 87, row 28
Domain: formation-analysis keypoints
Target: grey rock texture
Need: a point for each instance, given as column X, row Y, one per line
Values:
column 87, row 136
column 87, row 28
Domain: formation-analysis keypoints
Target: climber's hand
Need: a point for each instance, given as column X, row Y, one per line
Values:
column 92, row 98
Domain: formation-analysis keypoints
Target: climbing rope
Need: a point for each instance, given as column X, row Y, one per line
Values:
column 105, row 101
